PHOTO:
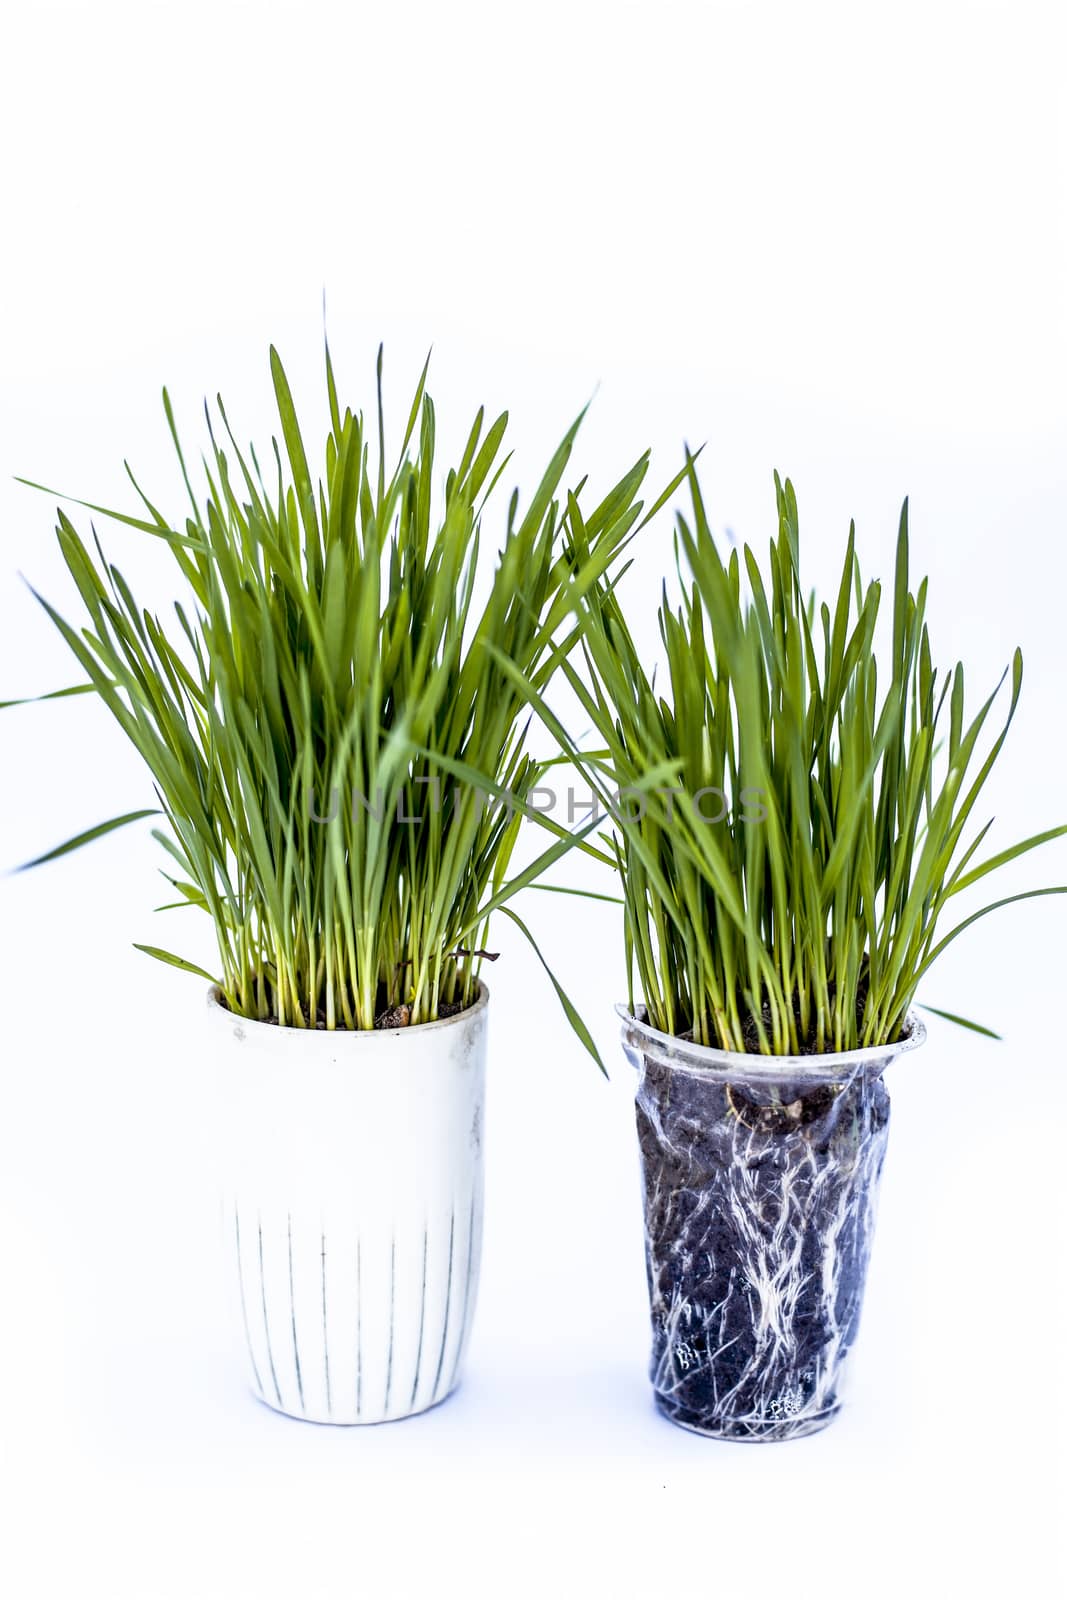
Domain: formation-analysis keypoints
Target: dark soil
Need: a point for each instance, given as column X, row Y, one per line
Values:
column 400, row 1016
column 392, row 1017
column 753, row 1193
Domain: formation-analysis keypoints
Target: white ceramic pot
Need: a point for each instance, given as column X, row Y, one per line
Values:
column 352, row 1176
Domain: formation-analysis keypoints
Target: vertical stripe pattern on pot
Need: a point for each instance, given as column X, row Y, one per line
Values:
column 391, row 1346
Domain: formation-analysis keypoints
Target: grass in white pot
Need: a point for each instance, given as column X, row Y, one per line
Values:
column 335, row 742
column 340, row 760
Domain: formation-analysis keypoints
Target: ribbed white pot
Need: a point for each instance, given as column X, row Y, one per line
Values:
column 352, row 1175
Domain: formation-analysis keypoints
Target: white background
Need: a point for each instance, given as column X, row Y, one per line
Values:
column 831, row 241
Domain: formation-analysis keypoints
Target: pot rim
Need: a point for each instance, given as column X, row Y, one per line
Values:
column 330, row 1036
column 707, row 1061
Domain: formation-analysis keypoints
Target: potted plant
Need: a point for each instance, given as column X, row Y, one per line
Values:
column 791, row 832
column 340, row 763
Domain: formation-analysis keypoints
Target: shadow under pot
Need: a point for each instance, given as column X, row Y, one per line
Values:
column 760, row 1186
column 351, row 1171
